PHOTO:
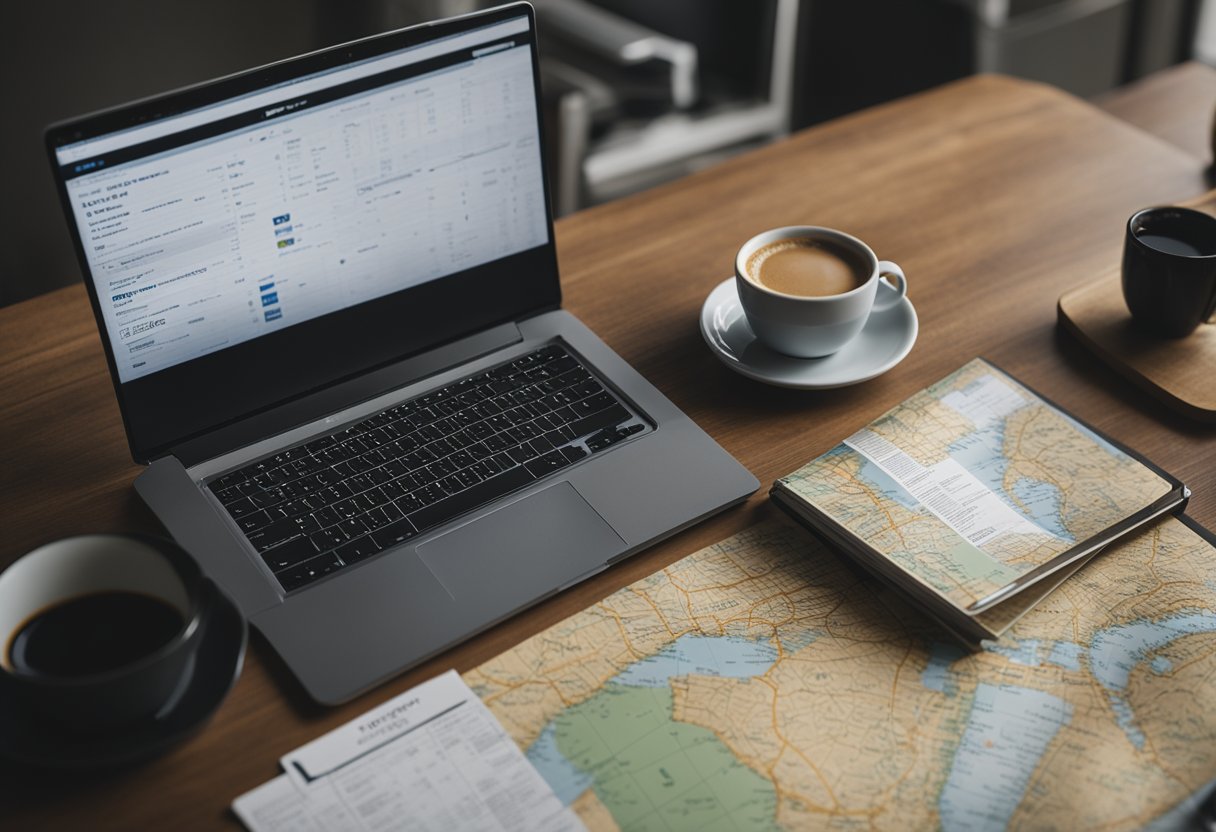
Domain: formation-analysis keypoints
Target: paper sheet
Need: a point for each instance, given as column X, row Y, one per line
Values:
column 433, row 758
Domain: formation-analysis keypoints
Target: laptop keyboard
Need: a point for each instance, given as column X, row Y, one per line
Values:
column 332, row 502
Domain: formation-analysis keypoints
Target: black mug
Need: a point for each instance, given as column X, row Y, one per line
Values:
column 100, row 631
column 1169, row 269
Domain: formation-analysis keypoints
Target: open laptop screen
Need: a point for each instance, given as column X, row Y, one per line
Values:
column 313, row 226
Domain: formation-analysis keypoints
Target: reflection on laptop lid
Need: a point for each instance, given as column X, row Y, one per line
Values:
column 268, row 242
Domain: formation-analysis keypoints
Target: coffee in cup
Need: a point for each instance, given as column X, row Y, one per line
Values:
column 807, row 291
column 99, row 631
column 1169, row 269
column 807, row 267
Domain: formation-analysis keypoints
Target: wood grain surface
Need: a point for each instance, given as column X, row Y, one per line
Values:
column 994, row 195
column 1178, row 105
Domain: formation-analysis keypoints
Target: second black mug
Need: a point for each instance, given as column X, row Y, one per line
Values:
column 1169, row 269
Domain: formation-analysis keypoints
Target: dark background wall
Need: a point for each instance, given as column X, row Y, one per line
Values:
column 60, row 59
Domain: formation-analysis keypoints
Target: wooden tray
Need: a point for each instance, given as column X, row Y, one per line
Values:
column 1180, row 372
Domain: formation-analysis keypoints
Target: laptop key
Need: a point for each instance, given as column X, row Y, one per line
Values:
column 273, row 534
column 352, row 528
column 467, row 478
column 319, row 444
column 327, row 516
column 241, row 507
column 228, row 495
column 609, row 417
column 452, row 484
column 309, row 571
column 263, row 499
column 443, row 510
column 586, row 388
column 393, row 534
column 565, row 413
column 429, row 494
column 228, row 481
column 253, row 522
column 290, row 553
column 547, row 464
column 485, row 469
column 521, row 454
column 573, row 453
column 358, row 550
column 409, row 503
column 594, row 404
column 307, row 523
column 374, row 519
column 561, row 365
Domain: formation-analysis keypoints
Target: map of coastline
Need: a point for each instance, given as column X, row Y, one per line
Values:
column 761, row 683
column 974, row 481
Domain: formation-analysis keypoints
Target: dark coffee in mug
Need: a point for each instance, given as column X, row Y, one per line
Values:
column 1169, row 270
column 93, row 634
column 99, row 631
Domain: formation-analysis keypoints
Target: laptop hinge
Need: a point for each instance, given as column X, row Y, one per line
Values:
column 345, row 394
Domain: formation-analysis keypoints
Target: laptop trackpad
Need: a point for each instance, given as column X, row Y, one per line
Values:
column 522, row 550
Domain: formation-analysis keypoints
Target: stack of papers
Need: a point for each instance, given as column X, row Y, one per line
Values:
column 432, row 758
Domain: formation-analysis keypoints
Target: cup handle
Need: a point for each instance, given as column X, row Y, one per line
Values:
column 889, row 270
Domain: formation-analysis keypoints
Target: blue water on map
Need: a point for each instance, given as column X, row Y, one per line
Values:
column 1161, row 664
column 1115, row 652
column 1008, row 727
column 937, row 674
column 1045, row 503
column 693, row 654
column 1066, row 654
column 983, row 454
column 1007, row 732
column 1126, row 719
column 794, row 639
column 884, row 484
column 1022, row 652
column 566, row 781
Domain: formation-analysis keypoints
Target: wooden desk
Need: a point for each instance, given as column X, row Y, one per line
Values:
column 1177, row 105
column 994, row 195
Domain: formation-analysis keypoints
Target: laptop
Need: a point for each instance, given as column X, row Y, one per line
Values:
column 328, row 295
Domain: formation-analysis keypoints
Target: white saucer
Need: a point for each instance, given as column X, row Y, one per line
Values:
column 888, row 336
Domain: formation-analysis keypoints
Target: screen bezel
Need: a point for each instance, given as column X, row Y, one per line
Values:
column 165, row 408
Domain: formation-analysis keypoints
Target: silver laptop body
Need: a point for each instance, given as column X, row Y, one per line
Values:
column 328, row 295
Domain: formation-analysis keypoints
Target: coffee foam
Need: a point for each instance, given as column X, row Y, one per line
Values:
column 832, row 268
column 756, row 259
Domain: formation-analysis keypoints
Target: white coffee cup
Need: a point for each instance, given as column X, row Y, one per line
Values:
column 809, row 326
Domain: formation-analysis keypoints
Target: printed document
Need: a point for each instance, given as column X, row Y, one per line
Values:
column 433, row 758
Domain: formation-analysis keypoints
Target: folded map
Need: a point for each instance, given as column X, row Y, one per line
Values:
column 976, row 497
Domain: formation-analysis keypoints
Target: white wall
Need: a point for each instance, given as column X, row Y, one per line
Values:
column 1205, row 33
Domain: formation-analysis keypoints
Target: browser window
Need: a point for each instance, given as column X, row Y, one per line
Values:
column 215, row 227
